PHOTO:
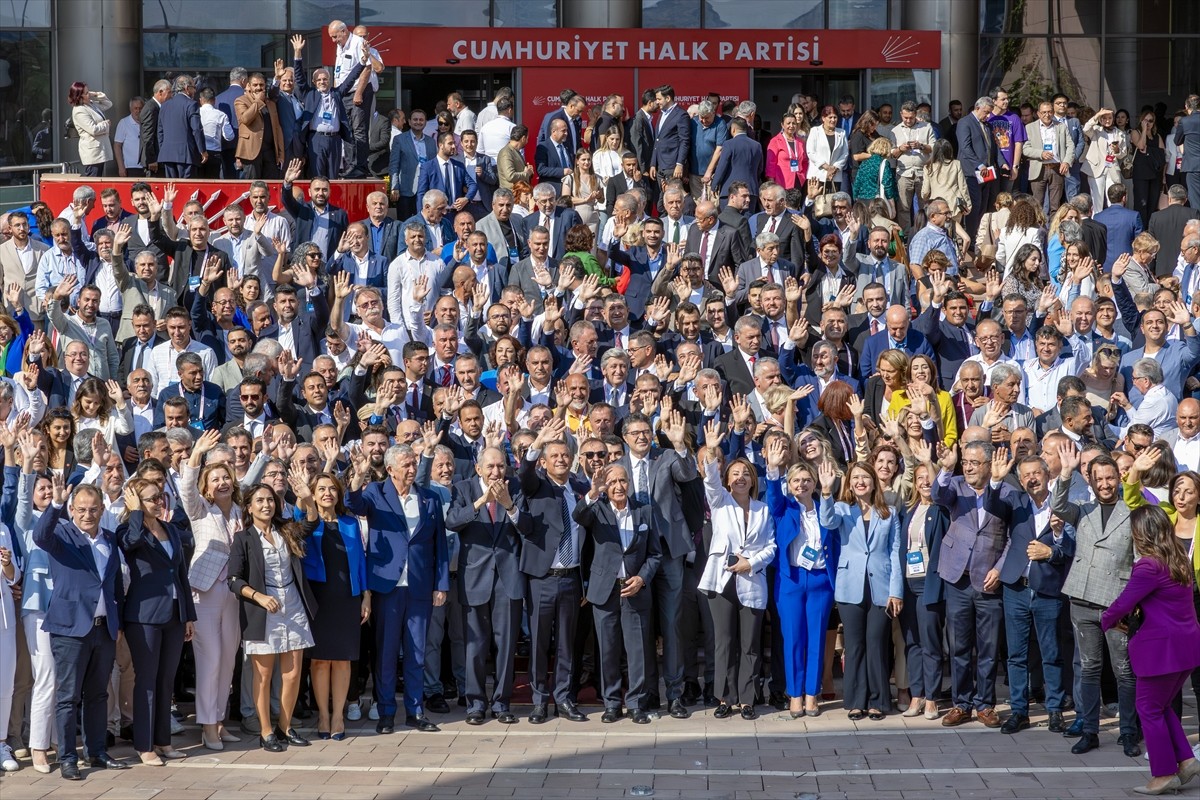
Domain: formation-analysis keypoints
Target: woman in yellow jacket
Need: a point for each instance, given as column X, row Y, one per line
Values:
column 924, row 376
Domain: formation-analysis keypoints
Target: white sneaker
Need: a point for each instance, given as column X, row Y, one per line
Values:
column 354, row 712
column 373, row 714
column 7, row 762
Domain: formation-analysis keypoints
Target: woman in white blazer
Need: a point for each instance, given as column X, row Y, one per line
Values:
column 87, row 115
column 211, row 500
column 734, row 578
column 868, row 590
column 827, row 150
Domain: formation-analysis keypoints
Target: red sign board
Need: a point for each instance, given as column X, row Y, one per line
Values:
column 540, row 89
column 216, row 196
column 507, row 48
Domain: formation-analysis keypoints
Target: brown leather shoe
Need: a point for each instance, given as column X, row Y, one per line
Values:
column 988, row 717
column 956, row 716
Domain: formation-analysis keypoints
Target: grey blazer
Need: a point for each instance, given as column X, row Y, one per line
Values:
column 1103, row 555
column 667, row 473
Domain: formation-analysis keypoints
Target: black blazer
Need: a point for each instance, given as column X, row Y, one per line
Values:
column 1095, row 236
column 735, row 372
column 618, row 185
column 152, row 573
column 248, row 567
column 605, row 553
column 937, row 520
column 488, row 565
column 128, row 348
column 308, row 329
column 825, row 425
column 543, row 502
column 303, row 421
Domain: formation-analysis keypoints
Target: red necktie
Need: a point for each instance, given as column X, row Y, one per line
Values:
column 445, row 376
column 491, row 508
column 874, row 327
column 771, row 229
column 704, row 250
column 617, row 336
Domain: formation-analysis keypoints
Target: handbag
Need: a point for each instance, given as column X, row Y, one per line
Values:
column 823, row 203
column 1133, row 621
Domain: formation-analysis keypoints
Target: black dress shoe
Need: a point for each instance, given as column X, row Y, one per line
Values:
column 610, row 715
column 420, row 723
column 748, row 712
column 127, row 733
column 724, row 711
column 538, row 715
column 505, row 717
column 1087, row 742
column 678, row 710
column 105, row 761
column 475, row 718
column 1015, row 723
column 1130, row 743
column 642, row 717
column 291, row 737
column 70, row 771
column 1056, row 723
column 691, row 693
column 271, row 744
column 710, row 699
column 571, row 712
column 462, row 701
column 437, row 704
column 386, row 724
column 1075, row 729
column 778, row 701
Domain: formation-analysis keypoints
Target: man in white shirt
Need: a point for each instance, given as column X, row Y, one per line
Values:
column 1186, row 446
column 162, row 367
column 1043, row 372
column 495, row 135
column 141, row 404
column 127, row 142
column 273, row 225
column 1156, row 407
column 912, row 143
column 464, row 118
column 218, row 131
column 403, row 272
column 357, row 103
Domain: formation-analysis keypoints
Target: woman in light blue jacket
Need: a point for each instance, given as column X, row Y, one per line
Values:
column 868, row 588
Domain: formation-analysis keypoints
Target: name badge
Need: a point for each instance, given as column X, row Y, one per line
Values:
column 795, row 162
column 808, row 557
column 513, row 255
column 310, row 307
column 1110, row 158
column 1048, row 147
column 916, row 564
column 194, row 282
column 196, row 425
column 327, row 116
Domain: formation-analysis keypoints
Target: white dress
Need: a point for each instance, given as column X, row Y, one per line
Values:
column 288, row 628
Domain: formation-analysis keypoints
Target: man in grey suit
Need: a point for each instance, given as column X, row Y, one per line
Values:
column 502, row 231
column 625, row 558
column 876, row 266
column 1049, row 152
column 768, row 266
column 657, row 480
column 1187, row 133
column 982, row 510
column 1103, row 561
column 526, row 271
column 485, row 511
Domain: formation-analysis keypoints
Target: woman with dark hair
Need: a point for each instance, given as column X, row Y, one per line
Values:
column 734, row 578
column 827, row 151
column 836, row 420
column 944, row 178
column 1164, row 644
column 159, row 613
column 806, row 557
column 787, row 159
column 58, row 426
column 1025, row 278
column 869, row 588
column 335, row 565
column 1023, row 227
column 101, row 406
column 582, row 189
column 267, row 574
column 860, row 141
column 445, row 124
column 580, row 241
column 506, row 350
column 87, row 117
column 1149, row 165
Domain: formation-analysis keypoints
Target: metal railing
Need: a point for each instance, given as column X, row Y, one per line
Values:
column 37, row 169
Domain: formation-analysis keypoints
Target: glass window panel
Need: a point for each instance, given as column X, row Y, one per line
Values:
column 671, row 13
column 765, row 14
column 895, row 86
column 1080, row 17
column 200, row 14
column 24, row 13
column 859, row 14
column 1030, row 69
column 210, row 51
column 1077, row 64
column 453, row 13
column 1007, row 16
column 526, row 14
column 1153, row 16
column 27, row 57
column 308, row 15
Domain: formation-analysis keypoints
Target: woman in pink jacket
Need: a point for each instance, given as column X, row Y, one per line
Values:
column 1164, row 648
column 787, row 161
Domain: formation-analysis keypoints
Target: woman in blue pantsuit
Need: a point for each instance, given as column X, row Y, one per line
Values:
column 805, row 565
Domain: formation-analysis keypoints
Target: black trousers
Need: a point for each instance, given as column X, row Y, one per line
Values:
column 866, row 633
column 155, row 651
column 553, row 614
column 737, row 634
column 82, row 667
column 499, row 623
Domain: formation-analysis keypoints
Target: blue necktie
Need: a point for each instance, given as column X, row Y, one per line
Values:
column 449, row 183
column 566, row 546
column 562, row 157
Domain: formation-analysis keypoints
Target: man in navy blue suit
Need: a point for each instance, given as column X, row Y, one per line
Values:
column 180, row 136
column 1123, row 225
column 327, row 124
column 976, row 150
column 899, row 335
column 741, row 159
column 237, row 87
column 552, row 159
column 671, row 137
column 446, row 175
column 408, row 573
column 573, row 106
column 83, row 622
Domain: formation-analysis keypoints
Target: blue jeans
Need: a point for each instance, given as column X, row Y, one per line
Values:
column 1025, row 609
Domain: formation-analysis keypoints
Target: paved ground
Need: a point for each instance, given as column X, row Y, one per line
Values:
column 773, row 757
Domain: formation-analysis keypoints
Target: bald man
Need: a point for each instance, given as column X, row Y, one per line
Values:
column 1185, row 440
column 897, row 334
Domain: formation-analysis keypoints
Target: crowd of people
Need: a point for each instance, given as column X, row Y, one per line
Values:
column 675, row 413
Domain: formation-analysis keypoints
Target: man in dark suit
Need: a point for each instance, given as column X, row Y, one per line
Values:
column 741, row 159
column 775, row 218
column 180, row 136
column 672, row 135
column 571, row 113
column 134, row 345
column 485, row 511
column 307, row 329
column 379, row 143
column 316, row 221
column 1187, row 134
column 640, row 137
column 83, row 622
column 148, row 124
column 718, row 245
column 205, row 400
column 482, row 168
column 447, row 175
column 406, row 538
column 631, row 178
column 656, row 481
column 189, row 256
column 551, row 556
column 551, row 216
column 1095, row 235
column 737, row 366
column 1123, row 225
column 969, row 564
column 952, row 338
column 328, row 125
column 317, row 409
column 1166, row 226
column 899, row 335
column 382, row 231
column 1033, row 573
column 358, row 250
column 60, row 385
column 624, row 546
column 552, row 159
column 977, row 148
